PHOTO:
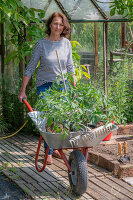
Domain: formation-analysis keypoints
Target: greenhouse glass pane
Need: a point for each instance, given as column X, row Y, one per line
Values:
column 53, row 7
column 48, row 5
column 85, row 10
column 105, row 6
column 26, row 3
column 39, row 4
column 81, row 10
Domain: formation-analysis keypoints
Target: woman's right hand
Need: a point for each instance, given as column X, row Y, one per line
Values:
column 22, row 96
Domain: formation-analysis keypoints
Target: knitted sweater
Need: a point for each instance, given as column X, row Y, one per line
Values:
column 45, row 52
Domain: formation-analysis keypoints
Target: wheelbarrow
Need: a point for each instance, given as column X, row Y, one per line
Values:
column 79, row 142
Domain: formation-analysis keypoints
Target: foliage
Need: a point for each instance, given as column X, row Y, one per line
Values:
column 70, row 112
column 122, row 7
column 3, row 125
column 18, row 17
column 12, row 110
column 120, row 94
column 84, row 34
column 80, row 70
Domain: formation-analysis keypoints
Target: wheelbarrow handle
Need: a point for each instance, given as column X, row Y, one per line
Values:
column 27, row 104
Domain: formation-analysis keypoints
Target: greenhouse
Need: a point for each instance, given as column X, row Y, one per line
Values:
column 95, row 101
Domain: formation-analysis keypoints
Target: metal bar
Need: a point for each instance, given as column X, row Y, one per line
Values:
column 65, row 159
column 86, row 153
column 105, row 26
column 75, row 8
column 37, row 154
column 47, row 5
column 96, row 50
column 99, row 9
column 123, row 34
column 63, row 9
column 87, row 21
column 130, row 31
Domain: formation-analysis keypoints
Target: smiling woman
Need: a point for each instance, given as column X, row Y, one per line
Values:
column 45, row 51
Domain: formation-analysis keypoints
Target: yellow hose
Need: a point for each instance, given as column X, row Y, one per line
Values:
column 15, row 132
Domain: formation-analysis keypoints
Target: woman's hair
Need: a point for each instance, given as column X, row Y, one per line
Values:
column 66, row 30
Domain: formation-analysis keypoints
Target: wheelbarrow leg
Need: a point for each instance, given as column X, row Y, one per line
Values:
column 85, row 153
column 65, row 159
column 37, row 154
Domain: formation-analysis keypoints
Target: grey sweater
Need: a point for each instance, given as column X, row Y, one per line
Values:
column 45, row 52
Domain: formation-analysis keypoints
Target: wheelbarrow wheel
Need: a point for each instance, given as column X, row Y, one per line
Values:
column 78, row 178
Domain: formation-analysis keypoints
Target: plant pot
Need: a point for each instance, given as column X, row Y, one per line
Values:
column 108, row 137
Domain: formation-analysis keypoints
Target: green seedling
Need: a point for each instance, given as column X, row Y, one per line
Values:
column 13, row 169
column 26, row 190
column 5, row 165
column 20, row 164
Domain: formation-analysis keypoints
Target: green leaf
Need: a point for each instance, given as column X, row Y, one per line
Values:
column 83, row 67
column 86, row 75
column 11, row 56
column 58, row 130
column 75, row 42
column 32, row 13
column 8, row 12
column 19, row 3
column 112, row 11
column 50, row 121
column 41, row 15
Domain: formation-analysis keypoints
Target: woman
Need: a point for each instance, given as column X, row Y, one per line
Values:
column 58, row 30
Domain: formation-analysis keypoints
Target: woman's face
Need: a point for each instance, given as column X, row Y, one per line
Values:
column 56, row 26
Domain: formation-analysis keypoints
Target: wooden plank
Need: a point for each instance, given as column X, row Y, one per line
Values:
column 121, row 183
column 25, row 152
column 101, row 190
column 94, row 194
column 57, row 163
column 33, row 175
column 122, row 190
column 22, row 184
column 65, row 181
column 39, row 188
column 28, row 164
column 108, row 187
column 26, row 155
column 68, row 182
column 94, row 172
column 28, row 158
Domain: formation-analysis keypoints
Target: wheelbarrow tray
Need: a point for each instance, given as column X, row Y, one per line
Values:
column 73, row 139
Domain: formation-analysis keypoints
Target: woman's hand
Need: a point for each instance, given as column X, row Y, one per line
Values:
column 22, row 96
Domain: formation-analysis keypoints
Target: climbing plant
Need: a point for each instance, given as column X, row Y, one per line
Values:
column 122, row 7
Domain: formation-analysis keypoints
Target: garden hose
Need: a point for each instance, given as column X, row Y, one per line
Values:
column 15, row 132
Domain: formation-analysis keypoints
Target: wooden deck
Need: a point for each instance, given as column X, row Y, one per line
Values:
column 17, row 157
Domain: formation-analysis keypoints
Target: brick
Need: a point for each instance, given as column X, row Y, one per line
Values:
column 125, row 170
column 108, row 164
column 125, row 130
column 93, row 157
